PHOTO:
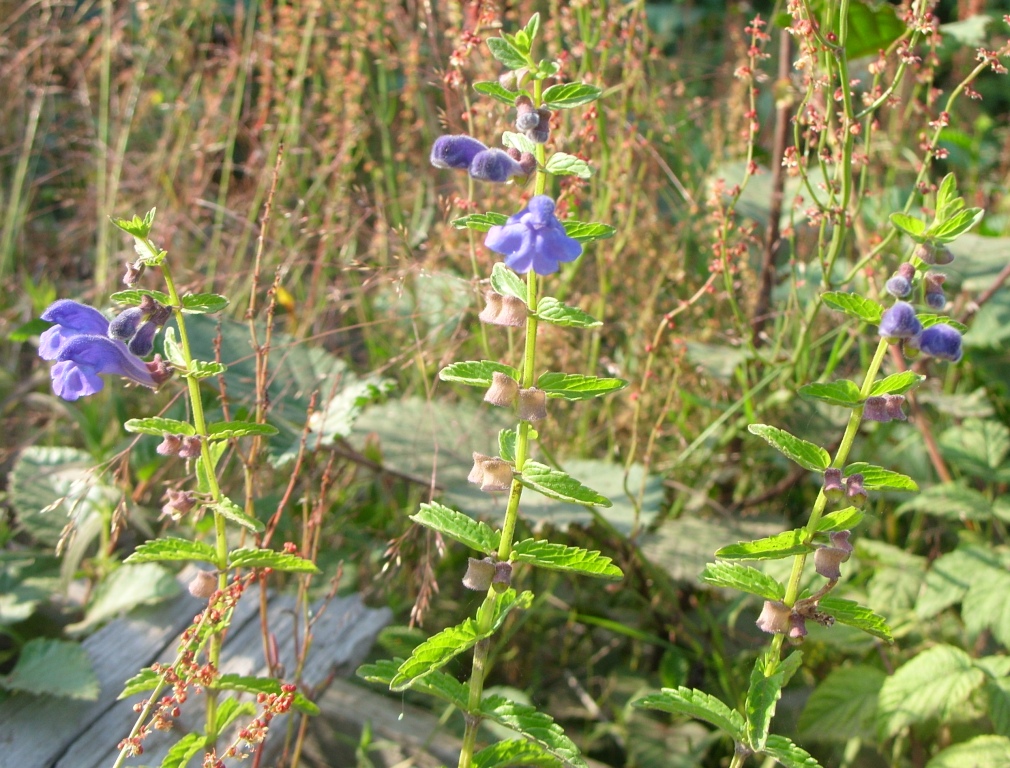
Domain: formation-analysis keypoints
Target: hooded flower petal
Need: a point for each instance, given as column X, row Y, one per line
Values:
column 899, row 322
column 494, row 165
column 72, row 319
column 84, row 357
column 455, row 151
column 940, row 340
column 534, row 239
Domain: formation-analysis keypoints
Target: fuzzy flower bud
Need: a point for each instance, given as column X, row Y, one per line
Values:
column 169, row 445
column 938, row 255
column 774, row 618
column 532, row 404
column 508, row 311
column 134, row 271
column 797, row 627
column 203, row 585
column 503, row 390
column 899, row 322
column 190, row 448
column 527, row 117
column 541, row 132
column 502, row 576
column 828, row 559
column 479, row 574
column 527, row 162
column 854, row 490
column 940, row 340
column 833, row 484
column 494, row 165
column 900, row 284
column 933, row 282
column 455, row 151
column 884, row 408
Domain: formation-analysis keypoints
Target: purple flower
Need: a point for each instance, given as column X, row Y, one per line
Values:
column 940, row 340
column 900, row 322
column 72, row 319
column 455, row 151
column 534, row 239
column 494, row 165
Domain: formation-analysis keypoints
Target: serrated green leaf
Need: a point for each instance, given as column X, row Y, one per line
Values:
column 133, row 296
column 203, row 303
column 201, row 369
column 173, row 352
column 855, row 306
column 948, row 579
column 788, row 754
column 928, row 320
column 519, row 141
column 496, row 91
column 948, row 231
column 697, row 704
column 985, row 606
column 935, row 683
column 229, row 510
column 911, row 226
column 184, row 750
column 515, row 752
column 216, row 450
column 843, row 392
column 985, row 751
column 743, row 578
column 145, row 680
column 225, row 430
column 558, row 485
column 481, row 222
column 169, row 549
column 769, row 548
column 437, row 684
column 952, row 501
column 507, row 283
column 587, row 231
column 268, row 558
column 476, row 373
column 807, row 455
column 533, row 725
column 558, row 557
column 840, row 520
column 998, row 693
column 267, row 685
column 156, row 425
column 553, row 311
column 506, row 53
column 897, row 383
column 763, row 695
column 563, row 164
column 852, row 614
column 136, row 226
column 46, row 666
column 569, row 95
column 576, row 386
column 879, row 479
column 844, row 705
column 507, row 444
column 456, row 525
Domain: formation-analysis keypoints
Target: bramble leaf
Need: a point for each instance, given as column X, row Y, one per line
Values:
column 47, row 666
column 843, row 392
column 697, row 704
column 807, row 455
column 156, row 425
column 456, row 525
column 553, row 311
column 268, row 558
column 558, row 557
column 476, row 373
column 569, row 95
column 855, row 306
column 171, row 548
column 576, row 386
column 844, row 704
column 555, row 484
column 743, row 578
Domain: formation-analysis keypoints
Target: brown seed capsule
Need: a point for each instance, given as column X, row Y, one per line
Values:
column 503, row 390
column 479, row 574
column 532, row 404
column 203, row 585
column 774, row 617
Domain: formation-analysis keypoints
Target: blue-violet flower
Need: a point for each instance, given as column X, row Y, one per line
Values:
column 940, row 340
column 534, row 239
column 455, row 151
column 495, row 165
column 900, row 322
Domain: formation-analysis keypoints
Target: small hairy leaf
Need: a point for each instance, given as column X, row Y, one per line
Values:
column 254, row 685
column 763, row 695
column 173, row 352
column 855, row 306
column 951, row 229
column 568, row 95
column 911, row 226
column 506, row 53
column 535, row 726
column 496, row 91
column 555, row 484
column 788, row 754
column 553, row 311
column 138, row 227
column 224, row 430
column 507, row 444
column 229, row 510
column 145, row 680
column 897, row 383
column 576, row 386
column 928, row 320
column 519, row 141
column 844, row 393
column 437, row 684
column 156, row 425
column 840, row 520
column 476, row 373
column 458, row 526
column 268, row 558
column 170, row 548
column 532, row 27
column 587, row 231
column 203, row 303
column 807, row 455
column 769, row 548
column 854, row 615
column 743, row 578
column 697, row 704
column 558, row 557
column 133, row 296
column 879, row 479
column 480, row 222
column 563, row 164
column 204, row 370
column 507, row 283
column 515, row 752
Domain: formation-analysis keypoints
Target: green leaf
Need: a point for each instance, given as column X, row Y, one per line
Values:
column 495, row 90
column 553, row 311
column 481, row 222
column 951, row 501
column 985, row 606
column 170, row 548
column 456, row 525
column 840, row 520
column 998, row 692
column 948, row 202
column 145, row 680
column 173, row 352
column 506, row 53
column 558, row 557
column 229, row 510
column 439, row 649
column 55, row 668
column 515, row 752
column 855, row 306
column 697, row 704
column 267, row 685
column 934, row 684
column 763, row 695
column 476, row 373
column 987, row 750
column 911, row 226
column 587, row 231
column 948, row 579
column 807, row 455
column 204, row 370
column 225, row 430
column 879, row 479
column 437, row 684
column 743, row 578
column 156, row 425
column 844, row 705
column 576, row 386
column 769, row 548
column 844, row 393
column 532, row 27
column 535, row 726
column 788, row 754
column 507, row 444
column 268, row 558
column 184, row 750
column 872, row 28
column 138, row 227
column 25, row 331
column 203, row 303
column 126, row 588
column 569, row 95
column 216, row 452
column 852, row 614
column 558, row 485
column 897, row 383
column 519, row 141
column 563, row 164
column 133, row 296
column 948, row 231
column 507, row 283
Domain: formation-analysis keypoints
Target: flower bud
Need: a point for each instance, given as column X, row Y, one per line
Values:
column 940, row 340
column 142, row 343
column 833, row 484
column 939, row 255
column 854, row 491
column 476, row 475
column 527, row 118
column 527, row 162
column 455, row 151
column 900, row 284
column 125, row 324
column 503, row 390
column 494, row 165
column 479, row 574
column 892, row 404
column 933, row 282
column 190, row 448
column 899, row 322
column 507, row 80
column 134, row 271
column 828, row 559
column 203, row 585
column 170, row 445
column 540, row 133
column 774, row 618
column 502, row 576
column 159, row 370
column 532, row 404
column 797, row 627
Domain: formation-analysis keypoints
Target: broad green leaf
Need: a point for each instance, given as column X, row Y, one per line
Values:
column 55, row 668
column 133, row 296
column 533, row 725
column 476, row 373
column 897, row 383
column 948, row 579
column 553, row 311
column 844, row 393
column 855, row 306
column 743, row 578
column 225, row 430
column 872, row 27
column 697, row 704
column 788, row 754
column 951, row 501
column 507, row 283
column 911, row 226
column 506, row 53
column 184, row 750
column 267, row 558
column 480, row 222
column 986, row 751
column 437, row 684
column 576, row 386
column 203, row 303
column 852, row 614
column 25, row 331
column 202, row 369
column 555, row 484
column 986, row 606
column 770, row 548
column 519, row 141
column 170, row 548
column 230, row 709
column 456, row 525
column 998, row 692
column 558, row 557
column 255, row 685
column 156, row 425
column 933, row 684
column 507, row 444
column 515, row 752
column 124, row 589
column 145, row 680
column 217, row 450
column 563, row 164
column 840, row 520
column 568, row 95
column 978, row 447
column 763, row 695
column 844, row 705
column 879, row 479
column 807, row 455
column 948, row 231
column 587, row 231
column 496, row 91
column 229, row 510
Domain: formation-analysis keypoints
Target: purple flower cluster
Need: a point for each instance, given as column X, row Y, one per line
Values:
column 899, row 323
column 483, row 164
